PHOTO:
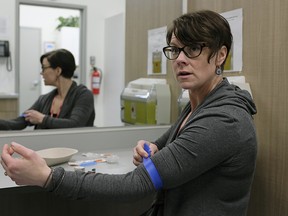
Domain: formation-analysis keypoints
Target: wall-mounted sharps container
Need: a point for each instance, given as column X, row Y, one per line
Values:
column 146, row 101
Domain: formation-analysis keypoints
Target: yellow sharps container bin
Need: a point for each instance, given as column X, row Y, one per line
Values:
column 146, row 102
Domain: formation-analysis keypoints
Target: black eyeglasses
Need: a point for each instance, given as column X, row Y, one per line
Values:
column 45, row 67
column 191, row 51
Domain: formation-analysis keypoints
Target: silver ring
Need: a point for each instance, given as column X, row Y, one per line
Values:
column 5, row 173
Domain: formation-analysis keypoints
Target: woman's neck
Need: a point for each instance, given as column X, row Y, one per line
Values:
column 197, row 97
column 63, row 87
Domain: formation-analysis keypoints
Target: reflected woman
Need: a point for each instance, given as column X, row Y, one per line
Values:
column 67, row 106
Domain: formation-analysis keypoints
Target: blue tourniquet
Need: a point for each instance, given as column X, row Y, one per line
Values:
column 151, row 169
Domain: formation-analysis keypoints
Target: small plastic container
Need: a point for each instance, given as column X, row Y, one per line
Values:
column 112, row 159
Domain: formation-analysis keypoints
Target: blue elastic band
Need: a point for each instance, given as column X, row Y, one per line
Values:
column 147, row 149
column 151, row 169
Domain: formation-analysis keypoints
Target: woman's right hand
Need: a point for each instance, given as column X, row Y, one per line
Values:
column 139, row 151
column 28, row 169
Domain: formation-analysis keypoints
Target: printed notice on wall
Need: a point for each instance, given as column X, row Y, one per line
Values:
column 234, row 59
column 3, row 27
column 156, row 59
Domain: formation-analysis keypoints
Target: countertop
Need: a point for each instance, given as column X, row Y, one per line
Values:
column 123, row 165
column 34, row 201
column 116, row 140
column 9, row 96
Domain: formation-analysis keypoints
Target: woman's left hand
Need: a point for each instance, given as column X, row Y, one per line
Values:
column 34, row 116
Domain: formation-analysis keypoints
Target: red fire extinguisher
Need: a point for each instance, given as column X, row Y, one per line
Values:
column 96, row 79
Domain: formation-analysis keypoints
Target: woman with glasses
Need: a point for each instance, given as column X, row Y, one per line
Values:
column 67, row 106
column 203, row 165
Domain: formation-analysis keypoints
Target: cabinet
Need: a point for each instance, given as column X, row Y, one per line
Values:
column 8, row 108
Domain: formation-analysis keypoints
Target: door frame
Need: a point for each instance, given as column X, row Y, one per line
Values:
column 29, row 85
column 82, row 51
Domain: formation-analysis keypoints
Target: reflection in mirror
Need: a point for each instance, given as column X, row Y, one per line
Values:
column 69, row 105
column 107, row 104
column 32, row 40
column 43, row 29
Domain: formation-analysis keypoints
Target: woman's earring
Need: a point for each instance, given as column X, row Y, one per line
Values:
column 218, row 71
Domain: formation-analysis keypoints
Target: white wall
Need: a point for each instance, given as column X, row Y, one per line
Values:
column 7, row 19
column 114, row 77
column 47, row 25
column 97, row 12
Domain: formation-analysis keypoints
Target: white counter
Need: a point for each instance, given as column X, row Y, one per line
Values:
column 34, row 201
column 118, row 140
column 123, row 165
column 8, row 95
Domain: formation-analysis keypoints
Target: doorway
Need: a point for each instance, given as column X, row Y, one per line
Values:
column 37, row 38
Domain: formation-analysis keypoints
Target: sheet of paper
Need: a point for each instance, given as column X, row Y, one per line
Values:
column 156, row 59
column 3, row 28
column 234, row 59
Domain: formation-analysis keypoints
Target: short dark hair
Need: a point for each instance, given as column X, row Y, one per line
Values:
column 202, row 26
column 61, row 58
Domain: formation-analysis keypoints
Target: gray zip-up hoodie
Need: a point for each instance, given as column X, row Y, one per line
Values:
column 206, row 168
column 77, row 111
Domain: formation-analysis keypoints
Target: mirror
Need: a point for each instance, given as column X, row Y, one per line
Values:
column 107, row 103
column 41, row 26
column 109, row 100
